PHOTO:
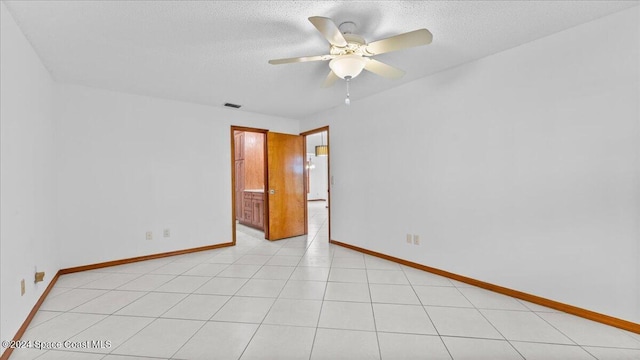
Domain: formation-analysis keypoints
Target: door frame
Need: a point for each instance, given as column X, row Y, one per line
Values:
column 266, row 178
column 264, row 132
column 306, row 212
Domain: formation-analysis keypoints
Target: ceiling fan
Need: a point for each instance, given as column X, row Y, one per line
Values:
column 350, row 53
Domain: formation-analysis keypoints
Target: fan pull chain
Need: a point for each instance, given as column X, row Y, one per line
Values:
column 347, row 101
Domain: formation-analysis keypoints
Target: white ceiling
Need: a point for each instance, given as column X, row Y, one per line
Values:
column 212, row 52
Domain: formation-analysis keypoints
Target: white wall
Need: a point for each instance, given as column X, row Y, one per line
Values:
column 27, row 176
column 129, row 164
column 85, row 173
column 520, row 169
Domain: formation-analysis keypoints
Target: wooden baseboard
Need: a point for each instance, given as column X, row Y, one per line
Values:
column 570, row 309
column 29, row 318
column 142, row 258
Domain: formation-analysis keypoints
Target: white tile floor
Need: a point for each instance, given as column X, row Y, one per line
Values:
column 302, row 298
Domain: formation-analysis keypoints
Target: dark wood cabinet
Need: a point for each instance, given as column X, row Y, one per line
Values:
column 253, row 209
column 247, row 210
column 257, row 203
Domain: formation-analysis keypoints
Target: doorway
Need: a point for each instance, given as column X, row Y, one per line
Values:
column 317, row 183
column 249, row 178
column 267, row 186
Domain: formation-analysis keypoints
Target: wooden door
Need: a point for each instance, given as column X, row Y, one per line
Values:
column 285, row 187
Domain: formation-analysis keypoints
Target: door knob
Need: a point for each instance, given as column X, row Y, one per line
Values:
column 272, row 191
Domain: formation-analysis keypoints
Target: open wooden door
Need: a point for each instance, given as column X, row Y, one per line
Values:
column 285, row 186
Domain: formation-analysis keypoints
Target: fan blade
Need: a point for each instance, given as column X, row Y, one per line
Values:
column 382, row 69
column 301, row 59
column 331, row 78
column 399, row 42
column 329, row 29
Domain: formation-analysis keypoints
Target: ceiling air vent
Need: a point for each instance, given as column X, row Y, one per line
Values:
column 235, row 106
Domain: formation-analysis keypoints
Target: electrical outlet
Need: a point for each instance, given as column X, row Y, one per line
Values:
column 416, row 239
column 408, row 238
column 149, row 235
column 22, row 287
column 167, row 232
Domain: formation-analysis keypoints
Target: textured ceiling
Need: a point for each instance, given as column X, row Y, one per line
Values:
column 212, row 52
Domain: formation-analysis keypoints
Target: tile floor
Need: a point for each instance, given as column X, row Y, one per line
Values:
column 302, row 298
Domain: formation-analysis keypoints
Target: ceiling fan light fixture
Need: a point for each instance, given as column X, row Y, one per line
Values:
column 348, row 65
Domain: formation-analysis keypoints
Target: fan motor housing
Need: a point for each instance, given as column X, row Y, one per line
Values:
column 355, row 45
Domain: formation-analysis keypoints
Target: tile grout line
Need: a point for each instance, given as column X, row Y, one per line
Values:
column 583, row 347
column 558, row 330
column 232, row 296
column 274, row 301
column 373, row 313
column 315, row 334
column 492, row 325
column 160, row 315
column 426, row 312
column 187, row 295
column 205, row 321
